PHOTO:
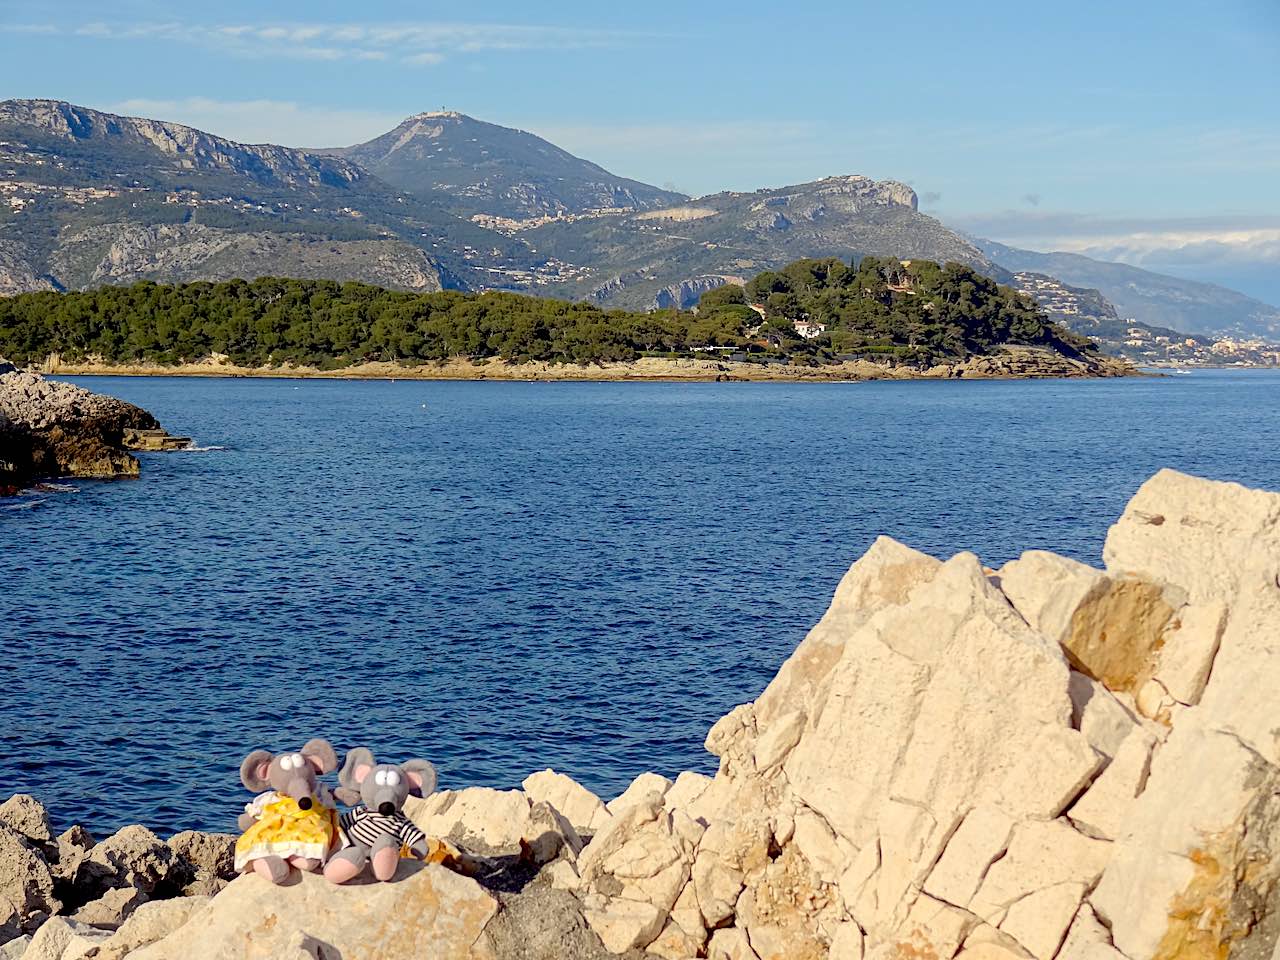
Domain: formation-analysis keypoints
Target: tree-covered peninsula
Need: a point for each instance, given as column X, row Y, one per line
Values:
column 811, row 312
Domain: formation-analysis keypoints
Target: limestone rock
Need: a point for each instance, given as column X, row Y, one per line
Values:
column 730, row 944
column 73, row 846
column 642, row 785
column 133, row 856
column 15, row 948
column 686, row 790
column 1105, row 807
column 24, row 815
column 730, row 851
column 204, row 856
column 675, row 943
column 112, row 908
column 60, row 938
column 427, row 908
column 1042, row 854
column 1102, row 717
column 624, row 924
column 1190, row 647
column 1088, row 939
column 548, row 833
column 1194, row 862
column 885, row 576
column 1200, row 535
column 846, row 942
column 1039, row 921
column 495, row 821
column 981, row 839
column 639, row 856
column 580, row 806
column 1048, row 590
column 148, row 923
column 25, row 881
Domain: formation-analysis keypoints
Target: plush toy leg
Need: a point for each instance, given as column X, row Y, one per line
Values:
column 273, row 868
column 386, row 857
column 346, row 863
column 305, row 864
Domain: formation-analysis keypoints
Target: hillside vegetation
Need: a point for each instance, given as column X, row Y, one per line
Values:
column 919, row 313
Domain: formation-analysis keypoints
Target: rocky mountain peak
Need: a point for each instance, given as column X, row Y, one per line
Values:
column 185, row 146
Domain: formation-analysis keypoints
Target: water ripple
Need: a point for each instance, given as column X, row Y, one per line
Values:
column 583, row 576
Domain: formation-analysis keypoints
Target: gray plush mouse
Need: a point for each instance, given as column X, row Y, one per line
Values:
column 292, row 821
column 375, row 830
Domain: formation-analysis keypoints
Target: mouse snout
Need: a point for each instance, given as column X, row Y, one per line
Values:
column 300, row 789
column 386, row 808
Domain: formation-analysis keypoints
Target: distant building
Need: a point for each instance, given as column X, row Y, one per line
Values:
column 809, row 329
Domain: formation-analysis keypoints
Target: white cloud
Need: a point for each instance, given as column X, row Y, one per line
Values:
column 266, row 121
column 416, row 43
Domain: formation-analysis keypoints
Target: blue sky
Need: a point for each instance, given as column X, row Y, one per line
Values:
column 1145, row 131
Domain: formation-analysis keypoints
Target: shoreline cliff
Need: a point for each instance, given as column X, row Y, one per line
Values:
column 1049, row 761
column 50, row 430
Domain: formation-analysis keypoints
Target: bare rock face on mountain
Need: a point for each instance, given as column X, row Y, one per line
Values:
column 123, row 253
column 190, row 148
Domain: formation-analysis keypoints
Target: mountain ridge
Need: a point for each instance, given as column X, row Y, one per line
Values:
column 509, row 173
column 89, row 197
column 1155, row 299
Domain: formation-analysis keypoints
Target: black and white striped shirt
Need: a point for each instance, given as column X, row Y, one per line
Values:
column 361, row 825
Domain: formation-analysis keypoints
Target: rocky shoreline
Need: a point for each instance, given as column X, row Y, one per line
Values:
column 1012, row 363
column 1048, row 761
column 50, row 429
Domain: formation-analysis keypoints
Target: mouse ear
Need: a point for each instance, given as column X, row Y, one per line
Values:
column 321, row 755
column 254, row 770
column 357, row 766
column 421, row 775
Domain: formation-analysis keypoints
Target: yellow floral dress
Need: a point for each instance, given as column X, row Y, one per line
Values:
column 285, row 830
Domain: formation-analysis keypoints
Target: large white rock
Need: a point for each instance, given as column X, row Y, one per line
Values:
column 885, row 576
column 1042, row 854
column 1106, row 805
column 624, row 924
column 1190, row 646
column 639, row 788
column 1195, row 534
column 981, row 839
column 1039, row 921
column 147, row 924
column 580, row 806
column 59, row 937
column 426, row 910
column 1049, row 590
column 1208, row 810
column 496, row 819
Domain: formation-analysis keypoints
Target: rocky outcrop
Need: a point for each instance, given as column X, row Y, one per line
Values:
column 185, row 147
column 1016, row 362
column 55, row 429
column 1049, row 761
column 123, row 253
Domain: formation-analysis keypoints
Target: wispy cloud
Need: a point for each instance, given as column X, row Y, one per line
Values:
column 1239, row 251
column 414, row 43
column 266, row 121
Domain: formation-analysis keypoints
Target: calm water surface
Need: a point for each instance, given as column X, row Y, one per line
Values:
column 501, row 577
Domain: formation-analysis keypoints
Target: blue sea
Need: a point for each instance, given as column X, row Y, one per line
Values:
column 501, row 577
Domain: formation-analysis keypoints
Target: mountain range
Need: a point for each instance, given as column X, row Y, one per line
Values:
column 448, row 201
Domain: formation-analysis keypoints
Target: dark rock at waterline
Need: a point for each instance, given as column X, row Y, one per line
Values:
column 54, row 429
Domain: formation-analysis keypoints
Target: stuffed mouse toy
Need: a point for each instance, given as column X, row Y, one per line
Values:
column 292, row 821
column 375, row 830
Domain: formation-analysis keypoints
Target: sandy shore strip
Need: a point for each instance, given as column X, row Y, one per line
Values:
column 643, row 369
